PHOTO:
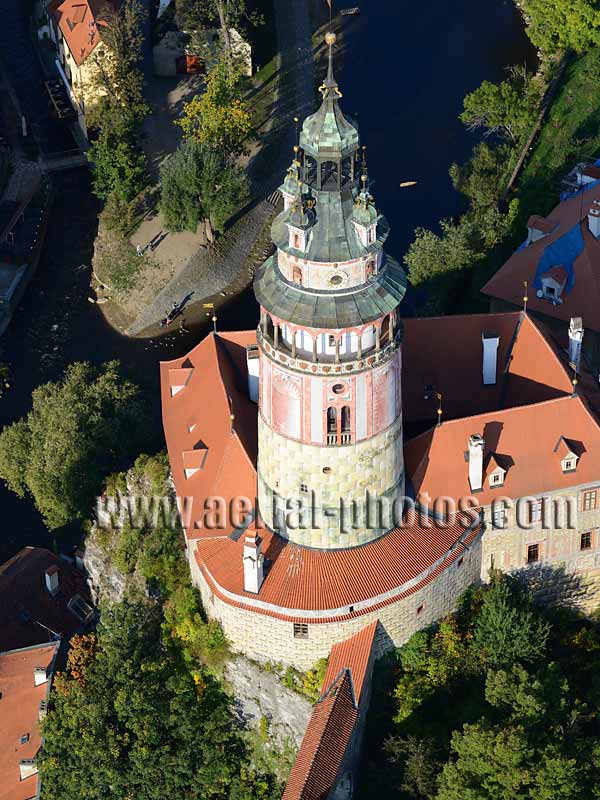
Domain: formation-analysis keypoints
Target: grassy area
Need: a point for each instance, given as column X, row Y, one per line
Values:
column 571, row 133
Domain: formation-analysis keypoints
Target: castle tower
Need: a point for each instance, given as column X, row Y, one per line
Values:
column 330, row 416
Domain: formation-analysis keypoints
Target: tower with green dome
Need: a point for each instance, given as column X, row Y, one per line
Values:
column 330, row 416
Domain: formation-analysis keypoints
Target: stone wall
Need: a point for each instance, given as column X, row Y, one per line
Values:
column 267, row 638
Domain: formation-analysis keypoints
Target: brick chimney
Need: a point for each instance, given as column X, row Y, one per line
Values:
column 594, row 219
column 40, row 676
column 476, row 445
column 52, row 584
column 253, row 563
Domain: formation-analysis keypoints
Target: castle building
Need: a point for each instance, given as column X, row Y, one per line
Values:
column 309, row 456
column 559, row 261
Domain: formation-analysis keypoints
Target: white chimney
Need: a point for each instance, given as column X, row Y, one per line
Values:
column 52, row 580
column 476, row 445
column 40, row 676
column 575, row 340
column 253, row 563
column 594, row 219
column 490, row 357
column 253, row 364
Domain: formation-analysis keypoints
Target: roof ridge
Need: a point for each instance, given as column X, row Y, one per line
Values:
column 479, row 315
column 503, row 411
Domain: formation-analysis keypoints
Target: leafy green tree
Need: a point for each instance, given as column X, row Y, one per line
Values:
column 508, row 108
column 78, row 429
column 219, row 118
column 117, row 76
column 143, row 726
column 196, row 181
column 118, row 163
column 456, row 248
column 508, row 628
column 419, row 762
column 555, row 25
column 481, row 179
column 227, row 14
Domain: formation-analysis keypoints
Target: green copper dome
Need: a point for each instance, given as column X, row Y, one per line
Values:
column 327, row 133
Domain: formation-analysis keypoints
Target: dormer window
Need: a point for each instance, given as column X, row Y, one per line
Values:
column 497, row 478
column 565, row 449
column 553, row 284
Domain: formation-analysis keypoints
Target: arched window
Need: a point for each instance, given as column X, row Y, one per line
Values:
column 269, row 327
column 331, row 425
column 297, row 275
column 310, row 170
column 370, row 269
column 329, row 175
column 296, row 241
column 347, row 174
column 346, row 433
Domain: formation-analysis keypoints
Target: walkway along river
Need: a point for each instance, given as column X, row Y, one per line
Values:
column 406, row 69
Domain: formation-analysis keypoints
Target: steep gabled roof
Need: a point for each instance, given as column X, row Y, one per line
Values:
column 20, row 737
column 333, row 719
column 80, row 24
column 582, row 299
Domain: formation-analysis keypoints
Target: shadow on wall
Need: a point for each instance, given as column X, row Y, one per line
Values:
column 554, row 585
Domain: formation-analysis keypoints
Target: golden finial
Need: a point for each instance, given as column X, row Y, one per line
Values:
column 439, row 411
column 525, row 298
column 330, row 38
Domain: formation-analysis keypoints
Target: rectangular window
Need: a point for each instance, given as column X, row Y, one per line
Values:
column 498, row 517
column 535, row 510
column 586, row 541
column 533, row 553
column 331, row 340
column 589, row 500
column 300, row 630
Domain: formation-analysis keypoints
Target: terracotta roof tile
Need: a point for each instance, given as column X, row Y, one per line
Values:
column 322, row 751
column 25, row 600
column 583, row 300
column 80, row 23
column 19, row 712
column 352, row 654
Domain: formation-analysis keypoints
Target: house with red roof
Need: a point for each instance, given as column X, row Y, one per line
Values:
column 25, row 680
column 76, row 28
column 557, row 269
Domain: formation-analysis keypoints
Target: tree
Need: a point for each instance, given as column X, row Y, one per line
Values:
column 555, row 25
column 117, row 76
column 507, row 108
column 196, row 181
column 419, row 765
column 118, row 163
column 508, row 628
column 481, row 179
column 78, row 429
column 431, row 254
column 143, row 726
column 219, row 118
column 228, row 14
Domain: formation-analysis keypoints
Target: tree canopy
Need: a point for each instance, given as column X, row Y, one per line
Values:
column 508, row 108
column 498, row 701
column 132, row 721
column 197, row 181
column 556, row 25
column 77, row 430
column 219, row 118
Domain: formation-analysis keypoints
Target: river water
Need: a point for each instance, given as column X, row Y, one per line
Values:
column 406, row 69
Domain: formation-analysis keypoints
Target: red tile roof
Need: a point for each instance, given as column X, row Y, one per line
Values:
column 583, row 300
column 330, row 728
column 352, row 654
column 333, row 719
column 80, row 22
column 526, row 437
column 25, row 601
column 19, row 713
column 445, row 355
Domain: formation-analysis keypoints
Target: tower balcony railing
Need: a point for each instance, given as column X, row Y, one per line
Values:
column 300, row 361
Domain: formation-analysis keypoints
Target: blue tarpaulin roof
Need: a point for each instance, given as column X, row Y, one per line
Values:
column 562, row 252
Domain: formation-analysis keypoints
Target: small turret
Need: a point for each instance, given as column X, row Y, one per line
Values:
column 253, row 563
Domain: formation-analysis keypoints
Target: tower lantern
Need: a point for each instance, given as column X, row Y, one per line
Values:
column 330, row 421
